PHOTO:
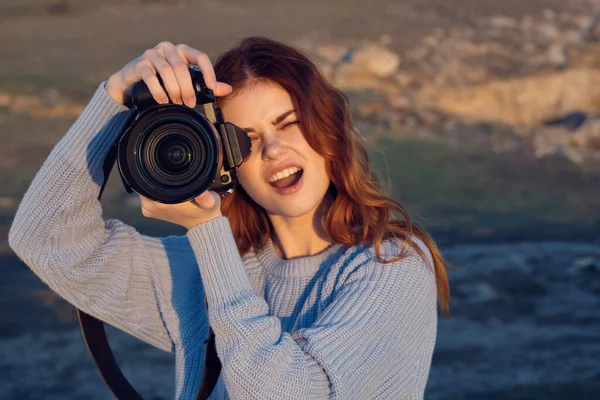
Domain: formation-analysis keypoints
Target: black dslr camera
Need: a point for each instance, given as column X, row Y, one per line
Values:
column 171, row 153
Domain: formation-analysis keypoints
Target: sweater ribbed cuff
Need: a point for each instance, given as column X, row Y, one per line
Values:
column 89, row 139
column 221, row 266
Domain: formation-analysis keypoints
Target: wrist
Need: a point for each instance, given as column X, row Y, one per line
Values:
column 114, row 92
column 193, row 223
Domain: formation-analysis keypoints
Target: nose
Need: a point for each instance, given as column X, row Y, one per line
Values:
column 273, row 148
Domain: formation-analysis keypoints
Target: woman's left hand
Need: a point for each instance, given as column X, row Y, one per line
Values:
column 204, row 207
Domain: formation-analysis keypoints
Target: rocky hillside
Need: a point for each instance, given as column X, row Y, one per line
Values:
column 537, row 76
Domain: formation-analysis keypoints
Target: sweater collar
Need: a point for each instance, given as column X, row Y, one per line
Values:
column 305, row 266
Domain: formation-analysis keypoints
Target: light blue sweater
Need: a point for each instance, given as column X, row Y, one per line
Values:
column 338, row 324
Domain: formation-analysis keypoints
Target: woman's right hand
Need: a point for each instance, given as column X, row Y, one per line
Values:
column 171, row 63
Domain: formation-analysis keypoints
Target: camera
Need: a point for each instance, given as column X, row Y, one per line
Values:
column 171, row 153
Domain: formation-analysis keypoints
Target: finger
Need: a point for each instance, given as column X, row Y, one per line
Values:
column 129, row 73
column 182, row 75
column 193, row 56
column 147, row 73
column 165, row 70
column 146, row 206
column 223, row 89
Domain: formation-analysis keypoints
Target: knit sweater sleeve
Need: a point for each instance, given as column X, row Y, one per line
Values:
column 105, row 268
column 378, row 329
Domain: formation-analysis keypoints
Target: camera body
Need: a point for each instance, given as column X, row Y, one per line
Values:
column 171, row 153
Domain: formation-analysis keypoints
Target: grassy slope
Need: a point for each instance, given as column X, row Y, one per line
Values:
column 473, row 195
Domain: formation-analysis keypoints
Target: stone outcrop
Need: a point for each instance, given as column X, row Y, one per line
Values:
column 501, row 70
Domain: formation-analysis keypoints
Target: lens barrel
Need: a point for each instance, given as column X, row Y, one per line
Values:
column 169, row 154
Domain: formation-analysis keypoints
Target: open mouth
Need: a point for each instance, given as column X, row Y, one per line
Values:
column 288, row 181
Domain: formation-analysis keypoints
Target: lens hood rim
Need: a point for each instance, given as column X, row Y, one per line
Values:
column 130, row 140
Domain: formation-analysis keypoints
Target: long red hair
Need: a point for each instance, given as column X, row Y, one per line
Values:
column 360, row 212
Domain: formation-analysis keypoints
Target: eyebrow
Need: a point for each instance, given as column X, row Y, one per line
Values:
column 277, row 120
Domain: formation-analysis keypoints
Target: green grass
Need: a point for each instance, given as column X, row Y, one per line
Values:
column 478, row 195
column 462, row 195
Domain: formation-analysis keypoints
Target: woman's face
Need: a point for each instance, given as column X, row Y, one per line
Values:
column 283, row 174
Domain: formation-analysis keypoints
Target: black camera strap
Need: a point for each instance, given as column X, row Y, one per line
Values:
column 96, row 340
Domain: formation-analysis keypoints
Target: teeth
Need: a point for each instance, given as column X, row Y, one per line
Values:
column 285, row 173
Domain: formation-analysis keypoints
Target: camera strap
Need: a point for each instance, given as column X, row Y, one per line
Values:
column 94, row 336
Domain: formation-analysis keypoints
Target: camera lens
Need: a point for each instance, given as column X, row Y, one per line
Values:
column 174, row 154
column 170, row 156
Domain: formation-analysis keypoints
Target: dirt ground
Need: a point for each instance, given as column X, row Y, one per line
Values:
column 524, row 326
column 94, row 39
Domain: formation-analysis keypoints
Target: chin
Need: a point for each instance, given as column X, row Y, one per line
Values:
column 291, row 212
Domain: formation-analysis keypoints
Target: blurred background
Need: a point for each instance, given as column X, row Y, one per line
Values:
column 482, row 117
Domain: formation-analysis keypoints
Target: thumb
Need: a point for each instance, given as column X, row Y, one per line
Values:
column 207, row 200
column 222, row 89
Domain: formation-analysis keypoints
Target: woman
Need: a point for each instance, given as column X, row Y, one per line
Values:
column 314, row 289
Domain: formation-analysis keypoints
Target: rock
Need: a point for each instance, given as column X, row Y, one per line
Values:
column 567, row 136
column 385, row 39
column 326, row 70
column 399, row 100
column 572, row 154
column 404, row 79
column 439, row 32
column 588, row 135
column 549, row 14
column 431, row 41
column 52, row 95
column 590, row 26
column 551, row 141
column 516, row 72
column 58, row 111
column 7, row 202
column 502, row 21
column 23, row 102
column 557, row 55
column 379, row 60
column 525, row 101
column 427, row 117
column 527, row 23
column 584, row 56
column 571, row 121
column 372, row 108
column 332, row 53
column 358, row 68
column 5, row 99
column 586, row 264
column 548, row 29
column 347, row 77
column 375, row 59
